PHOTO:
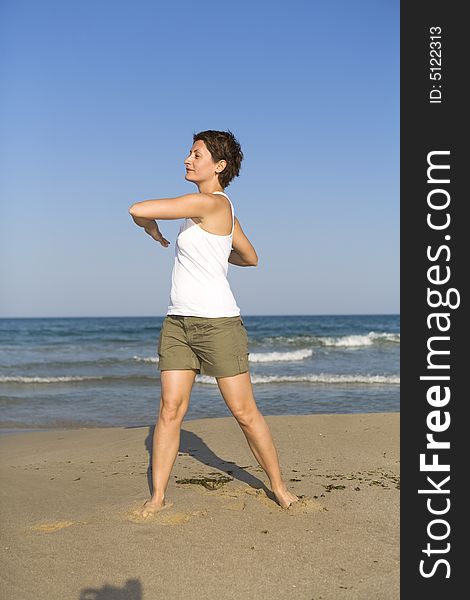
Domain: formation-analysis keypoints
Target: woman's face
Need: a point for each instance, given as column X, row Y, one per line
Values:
column 199, row 164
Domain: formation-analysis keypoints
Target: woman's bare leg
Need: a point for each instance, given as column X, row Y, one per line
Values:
column 176, row 389
column 237, row 392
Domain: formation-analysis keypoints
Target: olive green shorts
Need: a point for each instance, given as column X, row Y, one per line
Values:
column 213, row 346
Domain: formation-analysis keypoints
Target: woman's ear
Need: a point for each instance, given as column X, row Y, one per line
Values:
column 221, row 166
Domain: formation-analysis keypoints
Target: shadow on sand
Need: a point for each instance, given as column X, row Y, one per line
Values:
column 132, row 590
column 192, row 444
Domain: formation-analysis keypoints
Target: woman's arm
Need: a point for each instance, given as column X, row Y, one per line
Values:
column 236, row 259
column 148, row 224
column 145, row 223
column 243, row 254
column 189, row 205
column 152, row 229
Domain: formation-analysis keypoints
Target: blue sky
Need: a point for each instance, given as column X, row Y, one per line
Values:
column 99, row 104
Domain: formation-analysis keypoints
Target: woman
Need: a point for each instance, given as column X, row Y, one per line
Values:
column 203, row 331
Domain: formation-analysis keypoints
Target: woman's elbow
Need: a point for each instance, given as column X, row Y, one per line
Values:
column 133, row 210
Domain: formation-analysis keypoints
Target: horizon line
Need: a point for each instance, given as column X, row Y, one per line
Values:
column 383, row 314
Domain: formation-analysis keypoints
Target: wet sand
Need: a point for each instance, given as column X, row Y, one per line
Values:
column 70, row 530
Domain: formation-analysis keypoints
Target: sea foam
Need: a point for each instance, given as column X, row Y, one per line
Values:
column 280, row 356
column 287, row 356
column 321, row 378
column 361, row 340
column 148, row 359
column 63, row 379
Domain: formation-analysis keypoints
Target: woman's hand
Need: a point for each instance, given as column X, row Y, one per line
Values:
column 156, row 234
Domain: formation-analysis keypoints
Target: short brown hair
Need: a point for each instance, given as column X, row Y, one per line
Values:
column 223, row 145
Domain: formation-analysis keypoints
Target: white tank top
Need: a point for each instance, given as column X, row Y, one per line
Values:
column 199, row 285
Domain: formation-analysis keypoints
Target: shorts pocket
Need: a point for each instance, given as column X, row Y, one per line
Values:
column 240, row 340
column 243, row 363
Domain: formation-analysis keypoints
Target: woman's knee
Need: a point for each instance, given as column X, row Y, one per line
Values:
column 176, row 389
column 173, row 408
column 246, row 417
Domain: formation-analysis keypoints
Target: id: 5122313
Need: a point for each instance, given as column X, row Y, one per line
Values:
column 435, row 64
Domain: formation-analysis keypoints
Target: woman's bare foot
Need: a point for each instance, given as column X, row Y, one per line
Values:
column 152, row 506
column 284, row 497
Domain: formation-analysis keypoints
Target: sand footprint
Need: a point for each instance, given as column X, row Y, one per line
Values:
column 135, row 514
column 50, row 527
column 303, row 505
column 233, row 503
column 177, row 518
column 163, row 516
column 234, row 497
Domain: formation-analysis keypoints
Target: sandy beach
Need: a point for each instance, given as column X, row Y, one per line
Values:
column 69, row 530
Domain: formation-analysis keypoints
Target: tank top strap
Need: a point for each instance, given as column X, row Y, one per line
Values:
column 233, row 210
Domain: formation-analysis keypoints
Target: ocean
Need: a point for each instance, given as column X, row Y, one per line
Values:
column 103, row 371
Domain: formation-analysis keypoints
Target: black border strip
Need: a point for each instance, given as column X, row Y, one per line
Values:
column 433, row 121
